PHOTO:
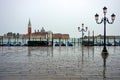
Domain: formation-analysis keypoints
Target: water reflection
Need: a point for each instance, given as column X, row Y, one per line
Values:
column 29, row 51
column 82, row 55
column 93, row 52
column 60, row 62
column 87, row 53
column 90, row 51
column 40, row 51
column 104, row 56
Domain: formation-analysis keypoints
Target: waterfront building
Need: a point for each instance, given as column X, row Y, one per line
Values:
column 42, row 34
column 100, row 38
column 60, row 36
column 37, row 35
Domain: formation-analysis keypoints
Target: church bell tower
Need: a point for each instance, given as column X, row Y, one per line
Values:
column 29, row 28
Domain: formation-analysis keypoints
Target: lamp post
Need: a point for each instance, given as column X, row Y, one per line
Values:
column 82, row 30
column 2, row 41
column 88, row 38
column 93, row 38
column 104, row 20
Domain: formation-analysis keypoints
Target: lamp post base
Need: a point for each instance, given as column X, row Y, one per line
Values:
column 104, row 49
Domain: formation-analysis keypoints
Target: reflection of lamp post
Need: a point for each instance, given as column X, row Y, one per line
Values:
column 82, row 30
column 82, row 56
column 104, row 56
column 93, row 52
column 105, row 19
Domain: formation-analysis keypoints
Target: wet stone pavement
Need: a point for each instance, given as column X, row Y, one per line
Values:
column 59, row 63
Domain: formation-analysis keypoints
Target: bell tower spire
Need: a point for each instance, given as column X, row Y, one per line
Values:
column 29, row 24
column 29, row 28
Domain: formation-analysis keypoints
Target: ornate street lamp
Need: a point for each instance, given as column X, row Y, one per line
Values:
column 82, row 30
column 105, row 19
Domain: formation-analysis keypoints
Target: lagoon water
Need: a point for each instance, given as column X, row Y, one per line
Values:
column 59, row 63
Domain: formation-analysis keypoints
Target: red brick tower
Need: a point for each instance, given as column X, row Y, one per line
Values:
column 29, row 28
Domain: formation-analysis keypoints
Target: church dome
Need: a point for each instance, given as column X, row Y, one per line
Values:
column 42, row 30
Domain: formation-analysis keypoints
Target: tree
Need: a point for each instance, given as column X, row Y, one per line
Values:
column 9, row 34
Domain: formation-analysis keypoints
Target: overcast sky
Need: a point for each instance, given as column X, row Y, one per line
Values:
column 58, row 16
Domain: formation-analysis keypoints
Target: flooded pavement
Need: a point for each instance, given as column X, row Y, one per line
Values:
column 59, row 63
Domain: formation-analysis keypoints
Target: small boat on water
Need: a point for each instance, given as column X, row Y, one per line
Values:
column 38, row 43
column 59, row 44
column 69, row 44
column 12, row 44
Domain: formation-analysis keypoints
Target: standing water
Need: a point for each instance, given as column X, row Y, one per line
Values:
column 59, row 63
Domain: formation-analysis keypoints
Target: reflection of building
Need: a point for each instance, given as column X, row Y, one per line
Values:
column 47, row 51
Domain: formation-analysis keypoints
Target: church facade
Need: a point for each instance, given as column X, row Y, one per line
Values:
column 38, row 34
column 42, row 34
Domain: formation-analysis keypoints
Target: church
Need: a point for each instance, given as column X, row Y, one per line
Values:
column 38, row 34
column 42, row 34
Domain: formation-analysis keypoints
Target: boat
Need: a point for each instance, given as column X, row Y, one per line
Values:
column 69, row 44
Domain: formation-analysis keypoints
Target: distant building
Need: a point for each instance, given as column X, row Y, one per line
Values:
column 39, row 34
column 61, row 36
column 1, row 37
column 29, row 28
column 42, row 34
column 43, row 30
column 108, row 37
column 36, row 35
